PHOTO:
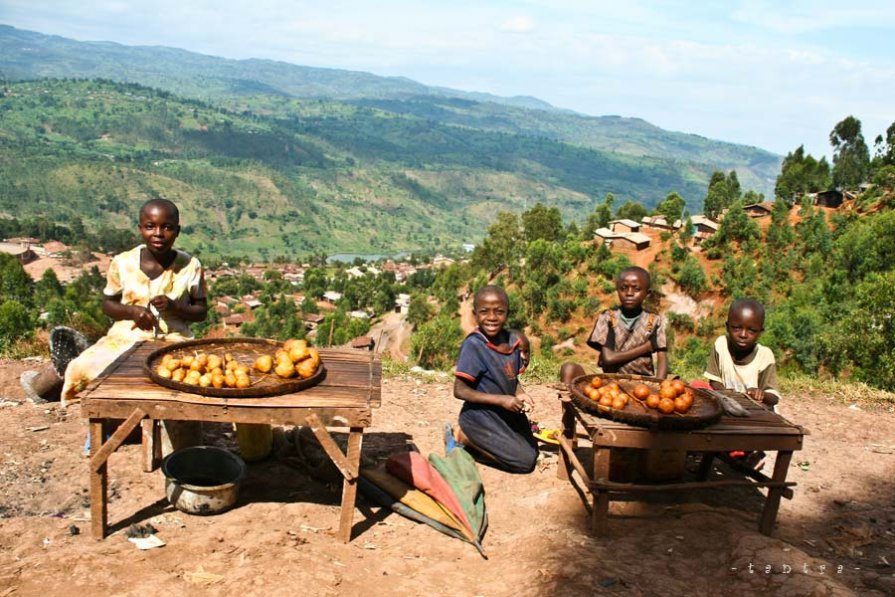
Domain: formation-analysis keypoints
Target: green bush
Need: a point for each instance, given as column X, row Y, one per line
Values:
column 680, row 321
column 436, row 344
column 15, row 323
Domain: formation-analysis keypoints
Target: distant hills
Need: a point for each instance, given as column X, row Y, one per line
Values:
column 296, row 159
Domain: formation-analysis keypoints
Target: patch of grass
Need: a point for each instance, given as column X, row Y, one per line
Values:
column 541, row 370
column 846, row 392
column 27, row 347
column 392, row 368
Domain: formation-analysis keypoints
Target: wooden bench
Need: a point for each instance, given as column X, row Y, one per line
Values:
column 763, row 430
column 345, row 398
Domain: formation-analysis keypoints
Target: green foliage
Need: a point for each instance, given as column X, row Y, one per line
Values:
column 631, row 210
column 309, row 305
column 723, row 192
column 542, row 223
column 689, row 359
column 543, row 368
column 851, row 157
column 543, row 269
column 610, row 268
column 680, row 322
column 739, row 276
column 15, row 323
column 812, row 232
column 315, row 282
column 337, row 328
column 865, row 335
column 436, row 343
column 15, row 283
column 500, row 248
column 516, row 319
column 692, row 278
column 279, row 320
column 885, row 177
column 419, row 311
column 672, row 207
column 801, row 173
column 736, row 226
column 600, row 217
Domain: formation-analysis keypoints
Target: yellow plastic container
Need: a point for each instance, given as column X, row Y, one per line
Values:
column 255, row 440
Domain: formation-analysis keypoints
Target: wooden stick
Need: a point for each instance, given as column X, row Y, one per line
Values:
column 576, row 464
column 98, row 459
column 331, row 448
column 621, row 487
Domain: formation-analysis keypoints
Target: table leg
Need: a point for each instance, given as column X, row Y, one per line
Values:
column 349, row 486
column 99, row 479
column 772, row 503
column 600, row 513
column 152, row 445
column 568, row 430
column 705, row 466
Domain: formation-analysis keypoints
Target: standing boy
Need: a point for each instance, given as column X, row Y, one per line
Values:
column 628, row 337
column 492, row 421
column 738, row 362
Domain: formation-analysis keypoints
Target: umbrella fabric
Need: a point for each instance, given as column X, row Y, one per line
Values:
column 416, row 471
column 459, row 470
column 370, row 488
column 393, row 493
column 412, row 498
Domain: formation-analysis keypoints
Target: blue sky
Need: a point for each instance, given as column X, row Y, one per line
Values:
column 770, row 74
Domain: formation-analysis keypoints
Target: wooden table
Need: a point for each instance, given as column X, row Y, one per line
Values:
column 345, row 398
column 762, row 430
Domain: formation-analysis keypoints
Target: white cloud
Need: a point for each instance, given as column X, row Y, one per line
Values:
column 518, row 24
column 803, row 16
column 741, row 71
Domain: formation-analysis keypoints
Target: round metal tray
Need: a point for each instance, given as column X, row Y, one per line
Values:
column 244, row 350
column 704, row 412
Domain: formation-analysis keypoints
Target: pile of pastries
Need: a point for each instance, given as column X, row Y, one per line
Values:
column 293, row 359
column 673, row 395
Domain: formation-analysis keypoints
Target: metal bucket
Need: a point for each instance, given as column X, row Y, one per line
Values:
column 202, row 479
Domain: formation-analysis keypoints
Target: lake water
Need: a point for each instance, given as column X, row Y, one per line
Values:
column 350, row 257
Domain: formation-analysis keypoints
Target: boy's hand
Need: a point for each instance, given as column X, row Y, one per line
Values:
column 144, row 319
column 514, row 404
column 769, row 398
column 755, row 394
column 528, row 403
column 163, row 304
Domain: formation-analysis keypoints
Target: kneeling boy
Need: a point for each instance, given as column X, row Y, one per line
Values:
column 492, row 421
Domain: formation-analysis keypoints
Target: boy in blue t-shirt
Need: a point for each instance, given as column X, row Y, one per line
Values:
column 492, row 421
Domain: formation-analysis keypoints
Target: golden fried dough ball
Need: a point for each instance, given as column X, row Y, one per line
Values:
column 306, row 368
column 264, row 363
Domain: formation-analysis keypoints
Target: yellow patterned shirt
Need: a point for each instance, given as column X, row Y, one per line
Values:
column 184, row 278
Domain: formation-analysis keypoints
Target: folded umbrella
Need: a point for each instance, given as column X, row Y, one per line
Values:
column 400, row 497
column 416, row 471
column 459, row 470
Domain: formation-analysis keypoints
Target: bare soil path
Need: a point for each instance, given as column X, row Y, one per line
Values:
column 837, row 537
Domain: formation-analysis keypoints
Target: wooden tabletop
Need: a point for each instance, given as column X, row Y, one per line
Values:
column 353, row 380
column 760, row 420
column 773, row 430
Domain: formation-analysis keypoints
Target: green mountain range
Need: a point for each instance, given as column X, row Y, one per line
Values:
column 275, row 159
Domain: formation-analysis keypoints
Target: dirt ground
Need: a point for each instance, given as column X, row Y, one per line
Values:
column 834, row 538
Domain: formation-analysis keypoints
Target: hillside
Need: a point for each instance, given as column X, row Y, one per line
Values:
column 260, row 85
column 332, row 177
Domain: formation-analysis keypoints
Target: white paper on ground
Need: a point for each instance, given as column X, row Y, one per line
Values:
column 147, row 542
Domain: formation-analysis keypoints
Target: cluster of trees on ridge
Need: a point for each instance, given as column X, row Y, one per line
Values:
column 828, row 279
